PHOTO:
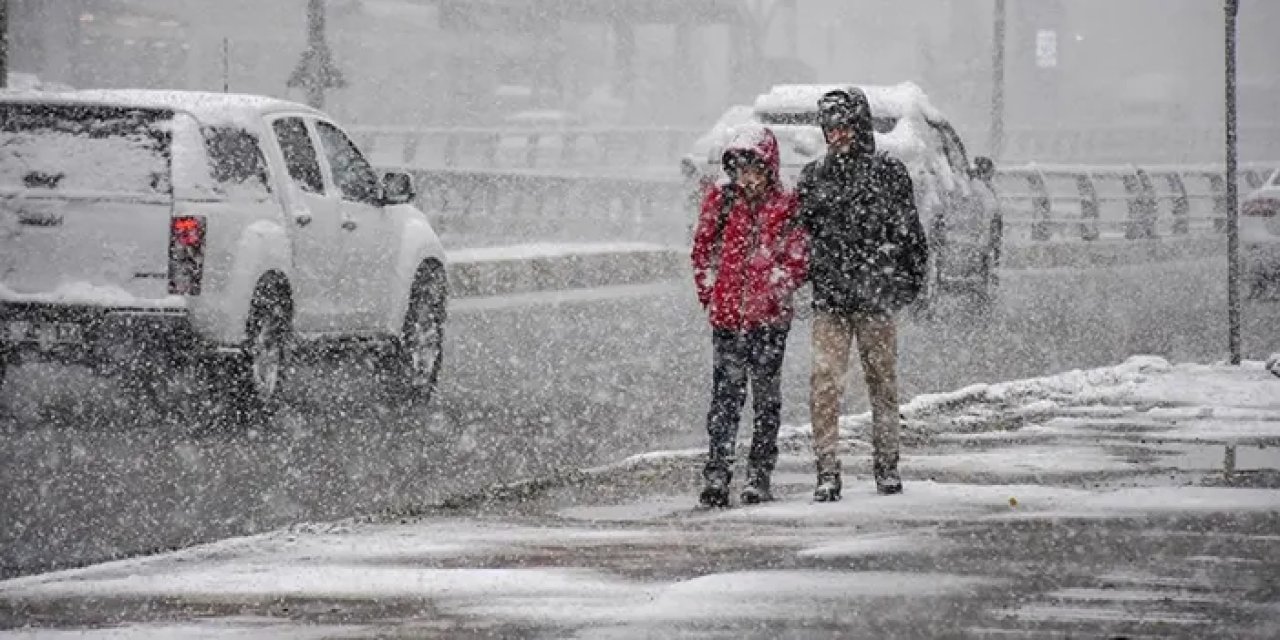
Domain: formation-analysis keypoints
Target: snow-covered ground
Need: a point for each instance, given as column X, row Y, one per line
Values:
column 991, row 468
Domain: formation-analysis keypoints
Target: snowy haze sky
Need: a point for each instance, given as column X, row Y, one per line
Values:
column 1146, row 62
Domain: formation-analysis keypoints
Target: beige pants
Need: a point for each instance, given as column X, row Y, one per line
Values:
column 878, row 349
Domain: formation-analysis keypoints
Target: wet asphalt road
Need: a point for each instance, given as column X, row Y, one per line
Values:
column 532, row 384
column 974, row 570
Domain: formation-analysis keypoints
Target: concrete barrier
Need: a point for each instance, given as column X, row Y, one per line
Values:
column 530, row 269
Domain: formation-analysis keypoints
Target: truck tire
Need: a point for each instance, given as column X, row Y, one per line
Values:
column 252, row 381
column 6, row 361
column 411, row 367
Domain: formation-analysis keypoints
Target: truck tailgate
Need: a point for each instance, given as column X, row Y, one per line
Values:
column 84, row 250
column 86, row 197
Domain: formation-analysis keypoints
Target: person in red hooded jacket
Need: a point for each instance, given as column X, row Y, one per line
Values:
column 749, row 257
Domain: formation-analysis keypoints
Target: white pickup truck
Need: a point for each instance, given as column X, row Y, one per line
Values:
column 140, row 230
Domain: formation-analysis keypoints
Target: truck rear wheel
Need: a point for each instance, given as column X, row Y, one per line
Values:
column 252, row 381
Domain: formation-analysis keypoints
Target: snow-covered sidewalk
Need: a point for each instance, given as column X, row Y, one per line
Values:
column 1137, row 499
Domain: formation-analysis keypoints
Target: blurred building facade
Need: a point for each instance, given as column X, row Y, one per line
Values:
column 414, row 62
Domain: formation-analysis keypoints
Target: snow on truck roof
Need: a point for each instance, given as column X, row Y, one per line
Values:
column 209, row 108
column 895, row 101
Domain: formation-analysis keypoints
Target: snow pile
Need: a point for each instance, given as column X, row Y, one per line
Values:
column 1031, row 396
column 1211, row 390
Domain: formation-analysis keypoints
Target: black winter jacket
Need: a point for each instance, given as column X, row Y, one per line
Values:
column 868, row 251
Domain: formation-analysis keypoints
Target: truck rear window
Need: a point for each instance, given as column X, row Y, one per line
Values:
column 236, row 162
column 85, row 148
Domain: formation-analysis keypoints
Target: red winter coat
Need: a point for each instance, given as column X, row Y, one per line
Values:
column 747, row 280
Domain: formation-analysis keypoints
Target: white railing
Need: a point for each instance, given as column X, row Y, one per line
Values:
column 656, row 150
column 1041, row 203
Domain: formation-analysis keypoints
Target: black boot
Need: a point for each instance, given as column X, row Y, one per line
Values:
column 757, row 490
column 888, row 482
column 829, row 486
column 715, row 493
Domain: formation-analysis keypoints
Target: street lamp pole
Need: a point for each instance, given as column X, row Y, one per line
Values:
column 999, row 29
column 1233, row 196
column 4, row 43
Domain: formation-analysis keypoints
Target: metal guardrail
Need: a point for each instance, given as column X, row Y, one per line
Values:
column 1041, row 204
column 1062, row 203
column 652, row 149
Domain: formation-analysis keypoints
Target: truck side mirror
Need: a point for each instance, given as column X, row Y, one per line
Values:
column 398, row 188
column 984, row 168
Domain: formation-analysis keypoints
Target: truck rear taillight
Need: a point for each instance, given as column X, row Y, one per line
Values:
column 186, row 255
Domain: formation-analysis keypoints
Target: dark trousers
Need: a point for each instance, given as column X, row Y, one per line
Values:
column 755, row 357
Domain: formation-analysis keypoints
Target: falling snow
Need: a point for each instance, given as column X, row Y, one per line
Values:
column 356, row 318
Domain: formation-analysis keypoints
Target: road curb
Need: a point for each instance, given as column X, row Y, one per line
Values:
column 1103, row 254
column 481, row 278
column 471, row 278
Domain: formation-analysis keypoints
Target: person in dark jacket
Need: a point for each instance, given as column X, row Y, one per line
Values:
column 748, row 259
column 868, row 255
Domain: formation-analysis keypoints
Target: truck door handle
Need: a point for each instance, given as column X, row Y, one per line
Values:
column 349, row 225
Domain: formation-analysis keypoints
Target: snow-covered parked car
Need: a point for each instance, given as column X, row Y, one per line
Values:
column 142, row 230
column 956, row 199
column 1260, row 238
